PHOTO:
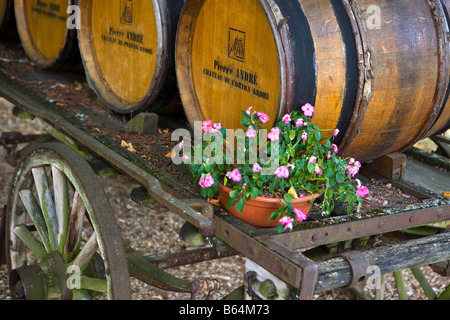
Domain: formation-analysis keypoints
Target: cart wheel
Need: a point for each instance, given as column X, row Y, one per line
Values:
column 64, row 242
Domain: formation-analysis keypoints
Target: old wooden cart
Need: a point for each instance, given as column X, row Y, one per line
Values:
column 59, row 236
column 294, row 265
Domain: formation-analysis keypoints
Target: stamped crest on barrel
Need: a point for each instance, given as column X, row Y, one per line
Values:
column 126, row 11
column 236, row 45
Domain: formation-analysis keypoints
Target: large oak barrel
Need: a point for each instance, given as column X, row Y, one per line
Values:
column 128, row 47
column 7, row 21
column 376, row 70
column 44, row 33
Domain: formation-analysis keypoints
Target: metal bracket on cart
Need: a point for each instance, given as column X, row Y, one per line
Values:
column 359, row 266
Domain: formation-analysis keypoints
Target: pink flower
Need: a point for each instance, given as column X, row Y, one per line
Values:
column 256, row 168
column 274, row 134
column 312, row 160
column 329, row 155
column 249, row 110
column 336, row 132
column 352, row 161
column 286, row 119
column 358, row 164
column 282, row 172
column 301, row 216
column 287, row 223
column 206, row 182
column 352, row 171
column 363, row 191
column 263, row 117
column 299, row 122
column 207, row 125
column 304, row 136
column 318, row 170
column 335, row 148
column 251, row 132
column 358, row 184
column 185, row 157
column 215, row 128
column 308, row 110
column 235, row 175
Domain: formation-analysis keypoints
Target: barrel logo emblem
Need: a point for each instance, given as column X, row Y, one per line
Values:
column 126, row 11
column 236, row 45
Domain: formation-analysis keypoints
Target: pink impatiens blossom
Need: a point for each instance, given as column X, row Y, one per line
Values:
column 351, row 170
column 299, row 122
column 274, row 134
column 304, row 136
column 335, row 148
column 358, row 184
column 318, row 170
column 234, row 175
column 256, row 168
column 251, row 132
column 207, row 125
column 308, row 110
column 215, row 128
column 363, row 191
column 312, row 160
column 301, row 216
column 206, row 182
column 336, row 132
column 286, row 119
column 287, row 223
column 249, row 110
column 263, row 117
column 282, row 172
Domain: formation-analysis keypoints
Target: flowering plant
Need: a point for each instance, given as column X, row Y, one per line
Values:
column 295, row 160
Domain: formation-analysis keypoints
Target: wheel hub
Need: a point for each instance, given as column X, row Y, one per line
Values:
column 46, row 280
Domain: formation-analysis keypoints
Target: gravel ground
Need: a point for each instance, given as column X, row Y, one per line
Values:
column 154, row 230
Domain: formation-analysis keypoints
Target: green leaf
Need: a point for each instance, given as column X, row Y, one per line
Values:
column 230, row 202
column 280, row 228
column 240, row 204
column 311, row 167
column 318, row 135
column 292, row 134
column 328, row 173
column 340, row 177
column 255, row 192
column 273, row 216
column 288, row 197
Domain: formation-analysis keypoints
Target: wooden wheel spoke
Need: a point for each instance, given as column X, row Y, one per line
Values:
column 87, row 252
column 76, row 224
column 62, row 206
column 47, row 204
column 93, row 284
column 30, row 241
column 35, row 213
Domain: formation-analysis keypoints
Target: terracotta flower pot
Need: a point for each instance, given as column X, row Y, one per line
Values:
column 257, row 212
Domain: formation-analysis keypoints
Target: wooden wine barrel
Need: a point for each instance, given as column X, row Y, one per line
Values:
column 376, row 70
column 127, row 47
column 7, row 22
column 44, row 32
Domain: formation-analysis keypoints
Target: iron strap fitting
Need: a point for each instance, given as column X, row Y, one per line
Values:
column 359, row 266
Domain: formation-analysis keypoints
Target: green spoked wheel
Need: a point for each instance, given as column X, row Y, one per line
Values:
column 62, row 238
